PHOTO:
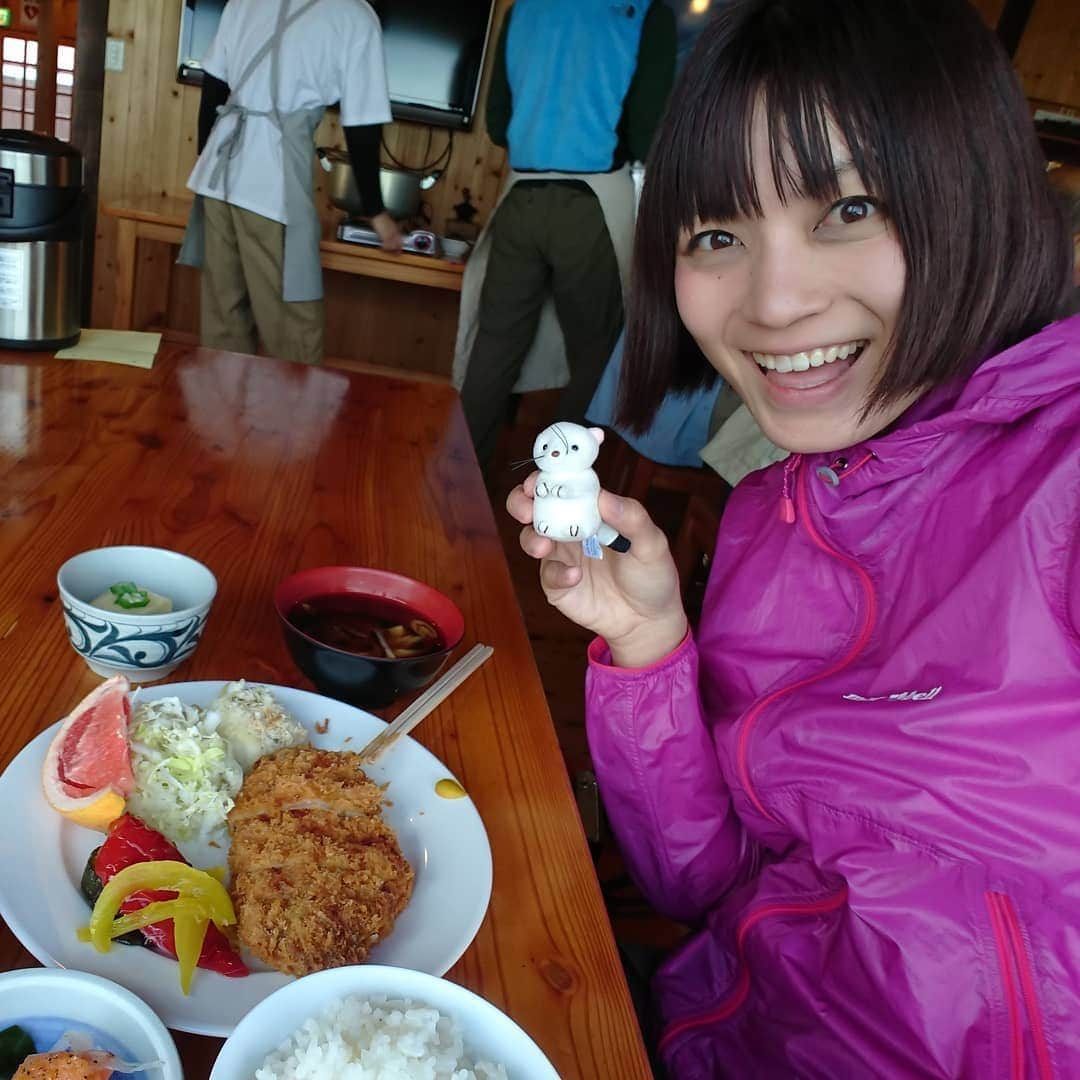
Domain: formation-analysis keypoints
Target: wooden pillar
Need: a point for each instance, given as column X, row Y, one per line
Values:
column 45, row 100
column 86, row 118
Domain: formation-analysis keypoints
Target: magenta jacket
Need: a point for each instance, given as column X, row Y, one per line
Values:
column 860, row 781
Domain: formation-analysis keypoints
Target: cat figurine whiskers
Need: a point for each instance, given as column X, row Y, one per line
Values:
column 565, row 506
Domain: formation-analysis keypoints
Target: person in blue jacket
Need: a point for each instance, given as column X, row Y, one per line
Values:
column 577, row 90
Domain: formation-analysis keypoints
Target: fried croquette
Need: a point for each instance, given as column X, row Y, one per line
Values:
column 318, row 877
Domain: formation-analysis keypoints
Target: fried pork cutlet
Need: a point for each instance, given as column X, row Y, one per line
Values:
column 317, row 876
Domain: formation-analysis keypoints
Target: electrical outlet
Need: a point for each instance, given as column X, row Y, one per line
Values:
column 114, row 54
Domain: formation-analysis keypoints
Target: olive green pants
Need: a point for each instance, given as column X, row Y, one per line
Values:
column 546, row 236
column 241, row 289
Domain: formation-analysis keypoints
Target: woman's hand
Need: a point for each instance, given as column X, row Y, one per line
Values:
column 630, row 599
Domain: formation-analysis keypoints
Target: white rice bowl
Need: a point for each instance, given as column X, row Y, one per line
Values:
column 373, row 1022
column 376, row 1038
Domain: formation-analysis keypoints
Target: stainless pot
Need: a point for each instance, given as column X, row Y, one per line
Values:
column 400, row 187
column 42, row 208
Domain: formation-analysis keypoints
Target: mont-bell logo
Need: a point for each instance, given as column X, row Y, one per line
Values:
column 903, row 695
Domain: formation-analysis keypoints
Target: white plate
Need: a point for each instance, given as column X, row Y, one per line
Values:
column 443, row 839
column 489, row 1034
column 47, row 1003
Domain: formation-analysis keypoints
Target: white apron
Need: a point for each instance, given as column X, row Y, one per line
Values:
column 302, row 269
column 545, row 365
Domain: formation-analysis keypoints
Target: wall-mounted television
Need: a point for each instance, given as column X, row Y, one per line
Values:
column 434, row 53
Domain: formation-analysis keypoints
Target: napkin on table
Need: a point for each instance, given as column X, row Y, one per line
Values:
column 133, row 347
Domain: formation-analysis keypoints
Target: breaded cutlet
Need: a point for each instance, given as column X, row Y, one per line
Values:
column 303, row 777
column 318, row 877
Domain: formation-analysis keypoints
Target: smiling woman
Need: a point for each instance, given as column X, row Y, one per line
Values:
column 772, row 137
column 857, row 775
column 806, row 292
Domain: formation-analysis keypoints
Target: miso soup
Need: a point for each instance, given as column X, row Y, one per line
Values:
column 366, row 625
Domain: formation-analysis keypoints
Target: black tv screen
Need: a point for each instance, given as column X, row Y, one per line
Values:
column 434, row 54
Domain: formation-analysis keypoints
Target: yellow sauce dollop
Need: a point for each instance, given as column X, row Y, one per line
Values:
column 449, row 789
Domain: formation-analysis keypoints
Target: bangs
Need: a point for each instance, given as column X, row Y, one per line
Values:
column 776, row 68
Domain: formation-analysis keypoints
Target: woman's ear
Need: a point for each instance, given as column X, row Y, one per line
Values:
column 598, row 434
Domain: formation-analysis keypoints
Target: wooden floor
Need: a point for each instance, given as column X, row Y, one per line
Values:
column 559, row 647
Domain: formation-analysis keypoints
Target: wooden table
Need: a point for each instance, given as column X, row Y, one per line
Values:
column 163, row 218
column 258, row 468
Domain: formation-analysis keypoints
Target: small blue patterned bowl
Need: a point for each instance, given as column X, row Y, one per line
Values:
column 47, row 1003
column 145, row 648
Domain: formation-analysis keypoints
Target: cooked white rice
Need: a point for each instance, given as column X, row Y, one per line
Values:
column 376, row 1038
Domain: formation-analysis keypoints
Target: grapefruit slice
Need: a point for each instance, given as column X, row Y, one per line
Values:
column 87, row 772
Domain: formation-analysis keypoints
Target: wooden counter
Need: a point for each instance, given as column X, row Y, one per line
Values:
column 163, row 219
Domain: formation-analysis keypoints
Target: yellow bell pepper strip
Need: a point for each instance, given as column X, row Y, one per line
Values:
column 132, row 841
column 188, row 933
column 201, row 899
column 154, row 912
column 160, row 875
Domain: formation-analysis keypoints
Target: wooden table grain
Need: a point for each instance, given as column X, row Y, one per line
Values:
column 259, row 468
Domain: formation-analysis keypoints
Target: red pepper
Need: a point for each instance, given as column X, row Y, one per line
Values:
column 133, row 841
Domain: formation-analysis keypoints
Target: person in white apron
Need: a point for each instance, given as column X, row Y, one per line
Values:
column 577, row 89
column 254, row 228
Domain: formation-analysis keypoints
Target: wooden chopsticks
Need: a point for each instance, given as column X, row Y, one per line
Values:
column 426, row 703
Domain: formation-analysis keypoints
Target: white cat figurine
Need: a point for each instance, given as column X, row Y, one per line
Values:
column 565, row 506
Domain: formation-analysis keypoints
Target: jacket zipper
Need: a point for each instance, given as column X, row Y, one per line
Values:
column 1019, row 987
column 869, row 619
column 741, row 991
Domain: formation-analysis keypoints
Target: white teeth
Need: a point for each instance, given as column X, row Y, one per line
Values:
column 803, row 361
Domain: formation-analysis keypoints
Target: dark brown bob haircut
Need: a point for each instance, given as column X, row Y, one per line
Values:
column 939, row 130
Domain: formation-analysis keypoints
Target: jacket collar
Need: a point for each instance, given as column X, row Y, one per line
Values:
column 1002, row 390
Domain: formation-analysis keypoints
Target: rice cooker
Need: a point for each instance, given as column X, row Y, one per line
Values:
column 41, row 220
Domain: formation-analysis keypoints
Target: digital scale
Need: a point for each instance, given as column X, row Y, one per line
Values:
column 417, row 241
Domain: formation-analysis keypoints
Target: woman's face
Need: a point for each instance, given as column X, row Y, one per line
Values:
column 796, row 309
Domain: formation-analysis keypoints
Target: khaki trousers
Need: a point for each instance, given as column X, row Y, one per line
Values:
column 241, row 289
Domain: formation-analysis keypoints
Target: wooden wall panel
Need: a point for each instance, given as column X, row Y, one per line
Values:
column 116, row 132
column 148, row 148
column 64, row 13
column 1048, row 59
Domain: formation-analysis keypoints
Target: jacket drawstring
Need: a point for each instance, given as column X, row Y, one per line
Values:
column 787, row 499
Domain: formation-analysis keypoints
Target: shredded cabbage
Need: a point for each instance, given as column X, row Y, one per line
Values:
column 185, row 775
